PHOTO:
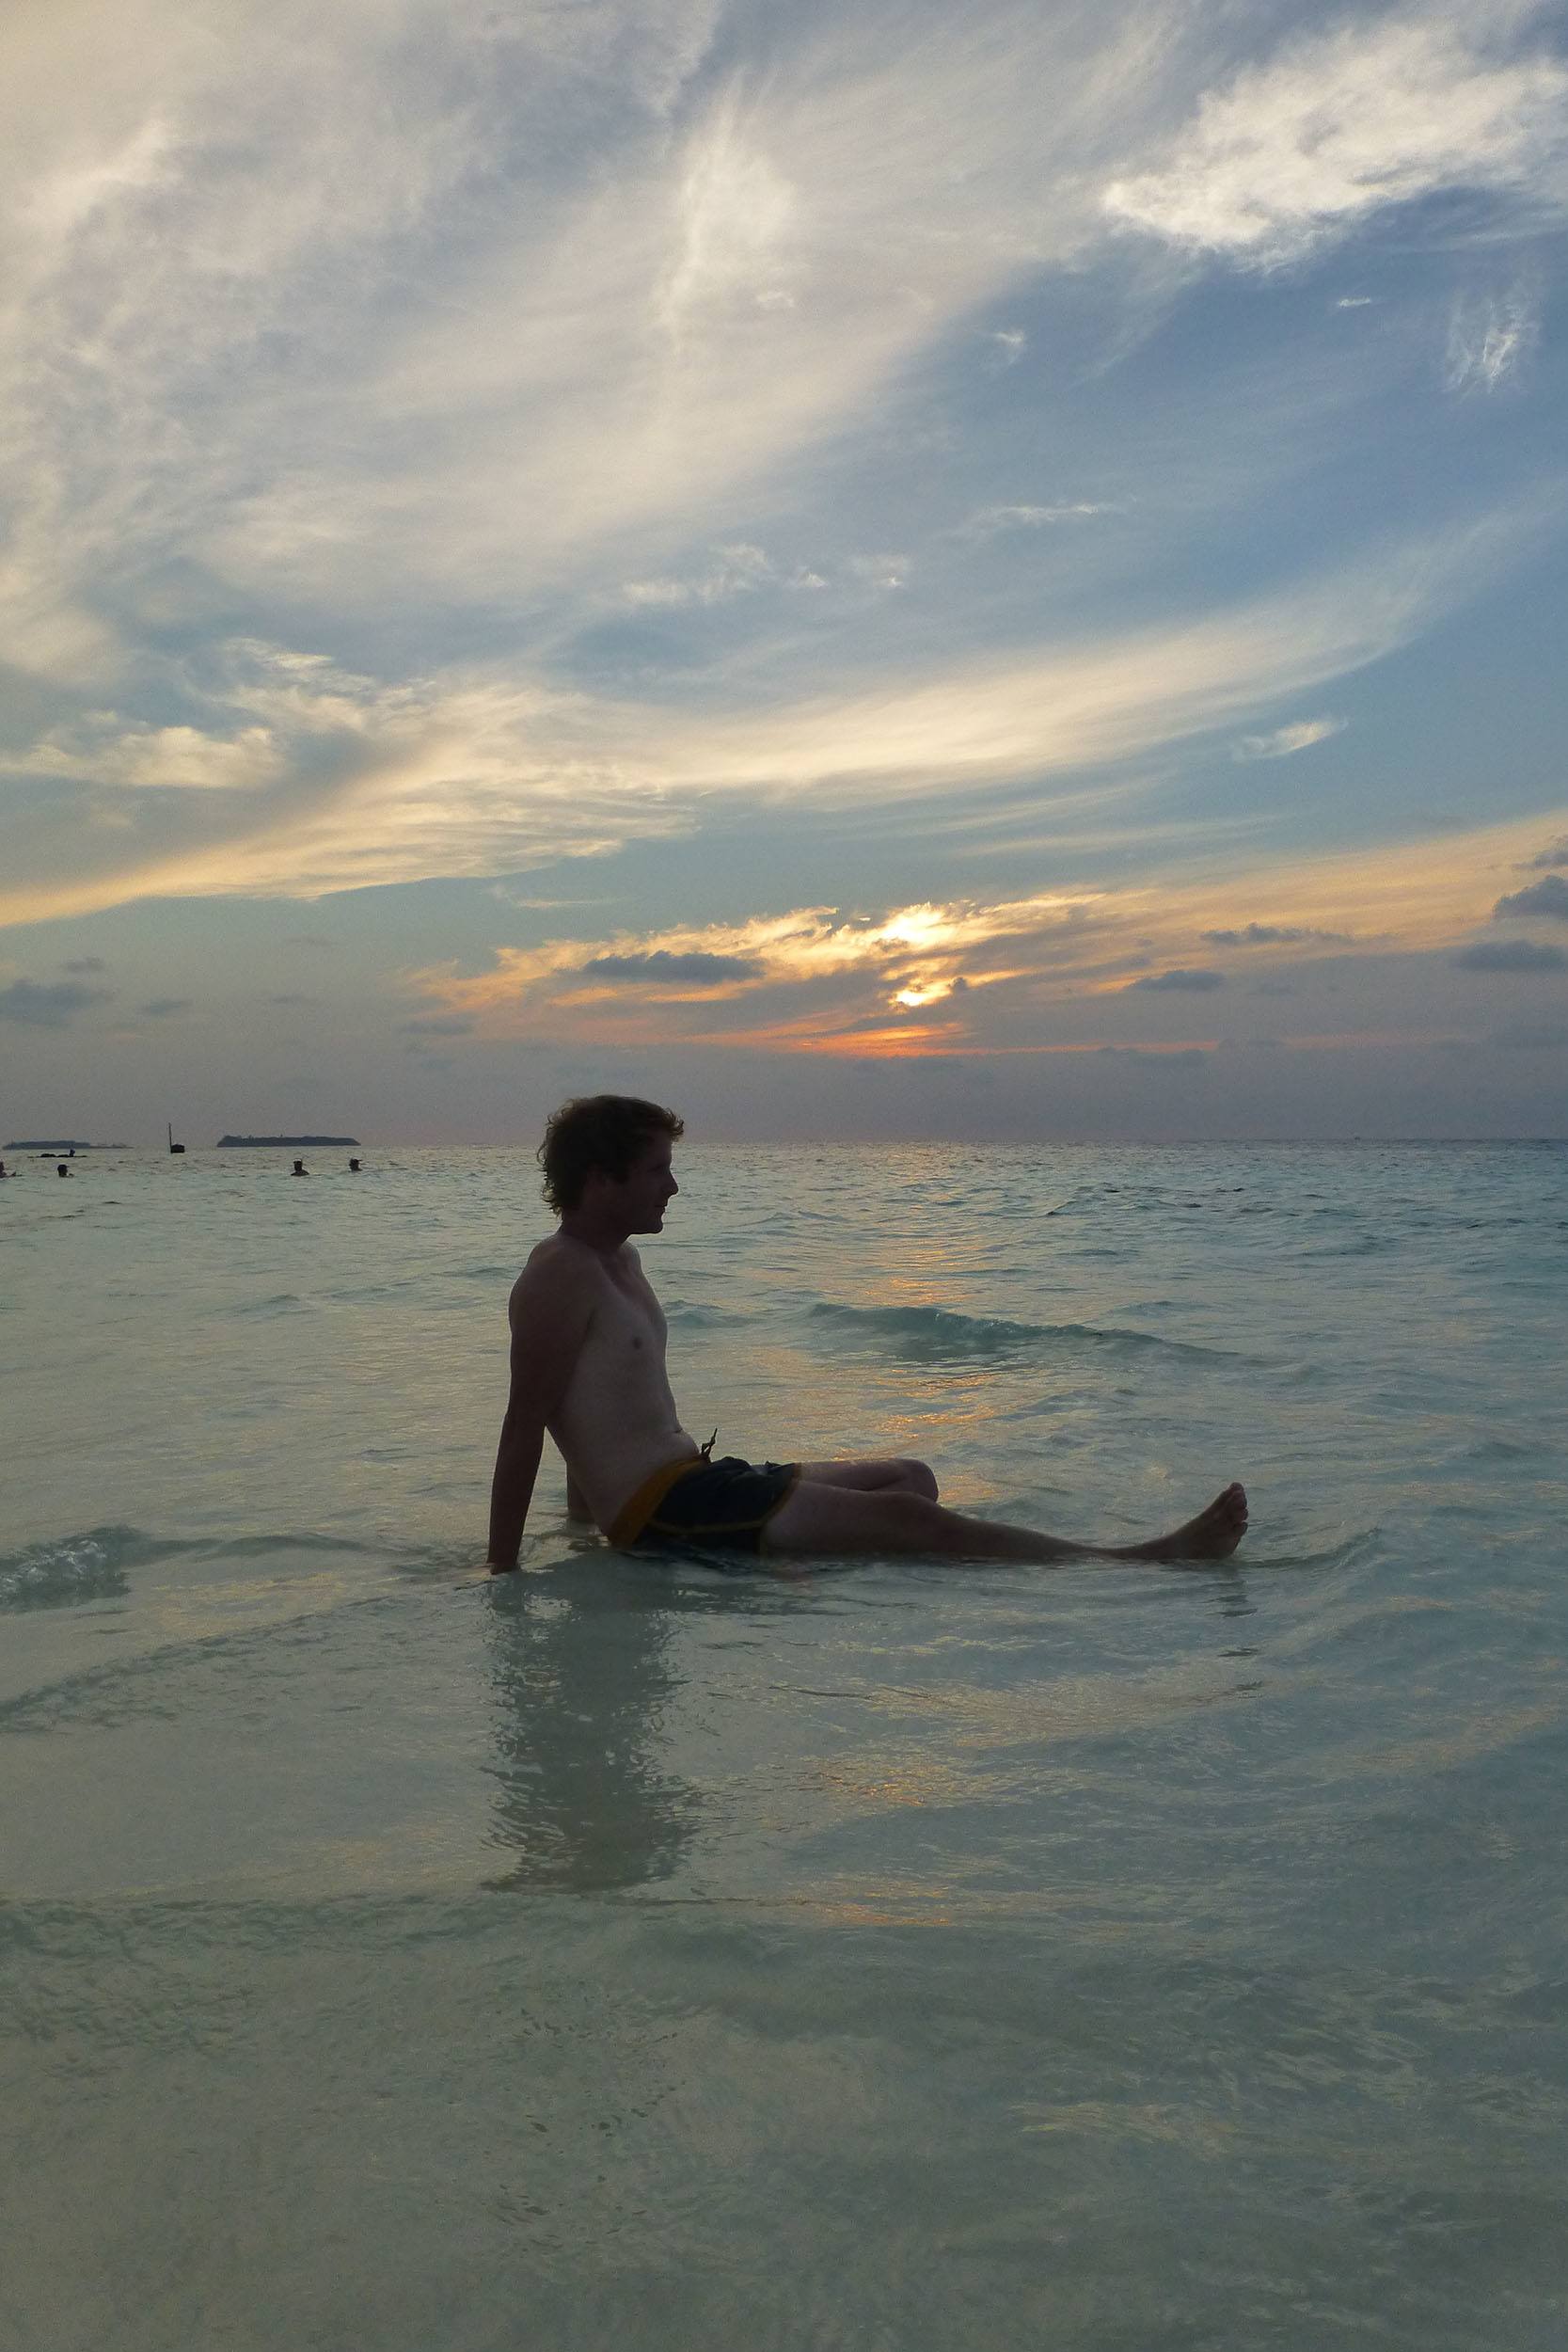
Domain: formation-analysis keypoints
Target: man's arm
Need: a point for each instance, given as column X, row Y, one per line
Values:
column 550, row 1312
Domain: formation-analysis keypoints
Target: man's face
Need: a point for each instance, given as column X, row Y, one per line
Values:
column 648, row 1187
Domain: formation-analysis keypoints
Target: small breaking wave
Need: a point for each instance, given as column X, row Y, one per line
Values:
column 937, row 1334
column 690, row 1317
column 73, row 1569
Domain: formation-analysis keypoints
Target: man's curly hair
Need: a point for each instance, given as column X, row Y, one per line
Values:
column 598, row 1131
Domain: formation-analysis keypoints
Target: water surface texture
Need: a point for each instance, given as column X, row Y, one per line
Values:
column 906, row 1957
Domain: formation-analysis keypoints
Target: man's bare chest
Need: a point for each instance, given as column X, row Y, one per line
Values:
column 628, row 1327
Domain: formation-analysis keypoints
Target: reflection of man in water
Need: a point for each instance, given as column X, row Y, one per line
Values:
column 588, row 1341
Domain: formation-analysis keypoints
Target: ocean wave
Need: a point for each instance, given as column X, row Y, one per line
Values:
column 70, row 1568
column 937, row 1334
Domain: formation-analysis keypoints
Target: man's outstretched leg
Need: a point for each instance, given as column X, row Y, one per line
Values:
column 825, row 1519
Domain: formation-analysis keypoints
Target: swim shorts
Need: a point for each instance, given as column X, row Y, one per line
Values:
column 726, row 1503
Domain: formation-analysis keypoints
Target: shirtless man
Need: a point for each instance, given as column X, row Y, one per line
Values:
column 588, row 1341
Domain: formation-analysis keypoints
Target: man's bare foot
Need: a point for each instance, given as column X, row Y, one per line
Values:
column 1212, row 1535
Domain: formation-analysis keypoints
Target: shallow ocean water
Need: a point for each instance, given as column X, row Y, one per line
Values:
column 626, row 1953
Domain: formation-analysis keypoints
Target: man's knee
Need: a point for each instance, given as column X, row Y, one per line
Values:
column 915, row 1521
column 916, row 1478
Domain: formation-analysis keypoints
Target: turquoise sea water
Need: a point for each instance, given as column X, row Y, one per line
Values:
column 911, row 1957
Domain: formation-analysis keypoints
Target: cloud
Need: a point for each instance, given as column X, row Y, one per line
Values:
column 1549, row 896
column 1511, row 955
column 478, row 773
column 1173, row 1058
column 1270, row 935
column 1018, row 975
column 438, row 1025
column 48, row 1005
column 736, row 571
column 1297, row 738
column 1181, row 979
column 1546, row 859
column 162, row 1008
column 180, row 759
column 1488, row 340
column 813, row 979
column 662, row 967
column 1536, row 1037
column 1294, row 152
column 987, row 521
column 84, row 964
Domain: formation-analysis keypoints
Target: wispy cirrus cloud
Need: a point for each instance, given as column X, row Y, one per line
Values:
column 1489, row 338
column 987, row 521
column 734, row 571
column 353, row 783
column 1300, row 148
column 1284, row 741
column 446, row 441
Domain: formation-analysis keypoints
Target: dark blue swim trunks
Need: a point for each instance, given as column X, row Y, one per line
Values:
column 725, row 1504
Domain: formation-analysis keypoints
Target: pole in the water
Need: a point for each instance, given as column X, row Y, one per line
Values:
column 172, row 1145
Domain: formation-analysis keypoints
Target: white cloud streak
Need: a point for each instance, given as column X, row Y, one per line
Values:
column 1489, row 338
column 1299, row 736
column 473, row 775
column 1302, row 148
column 348, row 326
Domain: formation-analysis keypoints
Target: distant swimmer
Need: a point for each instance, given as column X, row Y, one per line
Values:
column 354, row 1168
column 299, row 1168
column 588, row 1366
column 5, row 1170
column 63, row 1170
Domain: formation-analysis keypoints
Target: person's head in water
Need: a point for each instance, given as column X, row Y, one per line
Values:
column 605, row 1158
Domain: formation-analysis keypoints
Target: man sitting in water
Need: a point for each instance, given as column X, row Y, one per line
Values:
column 588, row 1342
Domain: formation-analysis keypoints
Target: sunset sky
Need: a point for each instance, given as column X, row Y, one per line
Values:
column 861, row 569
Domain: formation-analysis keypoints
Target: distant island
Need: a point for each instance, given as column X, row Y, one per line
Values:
column 257, row 1143
column 69, row 1144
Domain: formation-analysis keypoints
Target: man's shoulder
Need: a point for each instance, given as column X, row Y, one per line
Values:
column 558, row 1268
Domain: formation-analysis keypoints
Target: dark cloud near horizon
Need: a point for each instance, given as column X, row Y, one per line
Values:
column 1533, row 1036
column 1510, row 955
column 695, row 969
column 1269, row 935
column 1181, row 1057
column 48, row 1005
column 1195, row 980
column 161, row 1007
column 438, row 1025
column 1544, row 859
column 293, row 996
column 1542, row 897
column 84, row 964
